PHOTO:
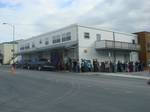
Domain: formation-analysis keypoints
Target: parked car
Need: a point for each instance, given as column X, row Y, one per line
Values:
column 41, row 64
column 22, row 63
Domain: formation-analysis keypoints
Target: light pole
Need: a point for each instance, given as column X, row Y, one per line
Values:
column 114, row 52
column 13, row 34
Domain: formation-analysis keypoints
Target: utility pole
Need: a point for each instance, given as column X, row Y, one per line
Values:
column 114, row 52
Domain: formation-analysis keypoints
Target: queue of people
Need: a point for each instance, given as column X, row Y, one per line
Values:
column 107, row 66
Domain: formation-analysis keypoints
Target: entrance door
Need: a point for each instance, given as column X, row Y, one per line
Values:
column 56, row 58
column 126, row 57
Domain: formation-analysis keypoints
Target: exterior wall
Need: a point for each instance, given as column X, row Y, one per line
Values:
column 147, row 50
column 8, row 54
column 87, row 46
column 49, row 37
column 144, row 40
column 44, row 51
column 6, row 51
column 1, row 48
column 1, row 53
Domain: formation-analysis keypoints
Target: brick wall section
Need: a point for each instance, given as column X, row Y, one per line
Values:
column 144, row 39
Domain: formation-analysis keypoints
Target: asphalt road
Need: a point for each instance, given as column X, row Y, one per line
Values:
column 34, row 91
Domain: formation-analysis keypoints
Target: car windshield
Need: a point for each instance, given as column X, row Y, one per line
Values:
column 45, row 60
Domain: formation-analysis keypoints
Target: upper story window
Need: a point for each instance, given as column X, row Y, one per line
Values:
column 63, row 37
column 86, row 35
column 66, row 36
column 46, row 41
column 98, row 37
column 40, row 42
column 56, row 39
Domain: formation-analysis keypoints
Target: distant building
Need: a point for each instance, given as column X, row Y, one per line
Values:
column 6, row 52
column 144, row 41
column 81, row 42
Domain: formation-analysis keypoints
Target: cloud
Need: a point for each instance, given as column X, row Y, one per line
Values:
column 129, row 15
column 32, row 17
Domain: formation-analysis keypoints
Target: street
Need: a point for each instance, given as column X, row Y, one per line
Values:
column 45, row 91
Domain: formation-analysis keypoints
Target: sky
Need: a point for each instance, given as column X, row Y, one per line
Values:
column 34, row 17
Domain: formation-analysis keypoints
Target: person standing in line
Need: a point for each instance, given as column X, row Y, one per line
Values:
column 82, row 65
column 78, row 65
column 126, row 66
column 102, row 67
column 94, row 65
column 111, row 67
column 97, row 66
column 118, row 66
column 136, row 66
column 70, row 64
column 107, row 66
column 74, row 65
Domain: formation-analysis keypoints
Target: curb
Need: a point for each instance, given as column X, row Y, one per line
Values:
column 116, row 75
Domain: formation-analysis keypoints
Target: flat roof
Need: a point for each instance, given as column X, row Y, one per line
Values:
column 9, row 43
column 141, row 32
column 78, row 25
column 90, row 27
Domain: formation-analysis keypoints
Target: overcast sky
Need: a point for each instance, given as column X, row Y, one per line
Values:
column 33, row 17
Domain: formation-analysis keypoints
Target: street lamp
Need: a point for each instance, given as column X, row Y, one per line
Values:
column 114, row 52
column 13, row 34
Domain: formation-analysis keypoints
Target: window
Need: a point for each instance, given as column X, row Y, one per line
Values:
column 148, row 62
column 148, row 46
column 98, row 37
column 56, row 39
column 27, row 46
column 46, row 41
column 133, row 41
column 63, row 37
column 33, row 45
column 40, row 41
column 12, row 50
column 22, row 48
column 86, row 35
column 66, row 36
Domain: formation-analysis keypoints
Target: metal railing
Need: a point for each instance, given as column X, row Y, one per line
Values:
column 110, row 44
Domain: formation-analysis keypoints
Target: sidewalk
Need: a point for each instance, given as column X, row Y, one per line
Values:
column 138, row 75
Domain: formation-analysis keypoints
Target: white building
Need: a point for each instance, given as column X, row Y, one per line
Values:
column 6, row 52
column 81, row 42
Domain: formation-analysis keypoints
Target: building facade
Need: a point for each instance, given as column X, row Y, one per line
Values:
column 81, row 42
column 144, row 41
column 6, row 52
